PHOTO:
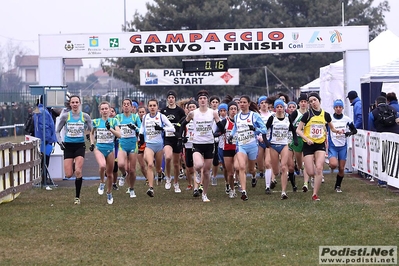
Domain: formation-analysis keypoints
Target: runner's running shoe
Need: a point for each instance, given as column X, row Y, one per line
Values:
column 315, row 198
column 100, row 189
column 110, row 199
column 122, row 179
column 244, row 196
column 196, row 193
column 76, row 201
column 253, row 182
column 132, row 194
column 150, row 192
column 205, row 198
column 273, row 184
column 177, row 188
column 168, row 183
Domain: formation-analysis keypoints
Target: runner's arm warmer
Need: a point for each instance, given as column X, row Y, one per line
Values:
column 221, row 127
column 182, row 128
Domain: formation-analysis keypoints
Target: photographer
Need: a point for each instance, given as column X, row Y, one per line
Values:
column 383, row 118
column 393, row 101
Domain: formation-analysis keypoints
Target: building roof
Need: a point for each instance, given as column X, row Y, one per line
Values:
column 101, row 73
column 33, row 61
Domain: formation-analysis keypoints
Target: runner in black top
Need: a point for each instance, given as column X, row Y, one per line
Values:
column 174, row 114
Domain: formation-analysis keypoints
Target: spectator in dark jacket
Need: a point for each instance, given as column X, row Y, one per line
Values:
column 357, row 109
column 393, row 101
column 375, row 124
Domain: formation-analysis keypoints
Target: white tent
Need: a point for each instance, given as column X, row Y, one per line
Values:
column 311, row 86
column 388, row 74
column 331, row 85
column 382, row 49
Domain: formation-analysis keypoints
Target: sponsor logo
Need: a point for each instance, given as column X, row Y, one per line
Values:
column 315, row 41
column 226, row 77
column 69, row 46
column 315, row 37
column 150, row 78
column 114, row 42
column 93, row 41
column 295, row 45
column 336, row 37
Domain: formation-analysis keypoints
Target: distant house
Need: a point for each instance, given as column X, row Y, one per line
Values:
column 27, row 68
column 103, row 77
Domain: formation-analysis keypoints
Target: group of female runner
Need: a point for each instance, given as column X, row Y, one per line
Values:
column 274, row 135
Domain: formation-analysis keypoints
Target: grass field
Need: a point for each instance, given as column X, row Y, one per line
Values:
column 44, row 227
column 13, row 139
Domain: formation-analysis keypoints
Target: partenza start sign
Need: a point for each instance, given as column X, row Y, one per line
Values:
column 205, row 42
column 177, row 77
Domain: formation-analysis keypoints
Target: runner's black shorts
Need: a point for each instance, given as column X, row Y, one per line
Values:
column 206, row 150
column 311, row 149
column 73, row 150
column 172, row 141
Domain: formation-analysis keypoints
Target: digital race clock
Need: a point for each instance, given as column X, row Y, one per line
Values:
column 205, row 65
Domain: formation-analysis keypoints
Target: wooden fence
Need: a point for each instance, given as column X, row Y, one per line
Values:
column 20, row 168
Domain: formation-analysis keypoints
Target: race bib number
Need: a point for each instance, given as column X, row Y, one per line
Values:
column 190, row 136
column 204, row 128
column 104, row 136
column 75, row 130
column 169, row 134
column 280, row 134
column 316, row 131
column 245, row 137
column 126, row 132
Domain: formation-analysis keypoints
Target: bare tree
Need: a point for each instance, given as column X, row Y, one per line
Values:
column 2, row 61
column 11, row 50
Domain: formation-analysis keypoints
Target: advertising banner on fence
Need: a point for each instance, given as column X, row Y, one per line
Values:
column 390, row 158
column 377, row 154
column 176, row 77
column 359, row 152
column 205, row 42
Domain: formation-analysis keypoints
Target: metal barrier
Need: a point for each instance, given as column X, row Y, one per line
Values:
column 20, row 168
column 14, row 127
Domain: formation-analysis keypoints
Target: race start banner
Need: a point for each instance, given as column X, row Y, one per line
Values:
column 176, row 77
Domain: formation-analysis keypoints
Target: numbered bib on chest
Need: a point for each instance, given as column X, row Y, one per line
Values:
column 280, row 133
column 75, row 130
column 245, row 137
column 126, row 132
column 104, row 136
column 316, row 131
column 204, row 128
column 150, row 132
column 169, row 134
